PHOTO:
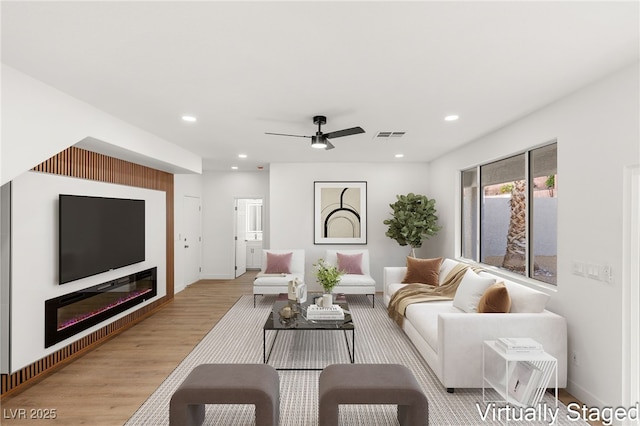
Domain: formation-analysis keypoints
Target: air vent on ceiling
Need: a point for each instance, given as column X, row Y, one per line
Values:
column 389, row 134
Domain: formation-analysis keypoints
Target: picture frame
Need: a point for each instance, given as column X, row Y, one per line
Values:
column 340, row 212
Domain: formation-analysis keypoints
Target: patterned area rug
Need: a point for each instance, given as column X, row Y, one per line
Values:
column 238, row 338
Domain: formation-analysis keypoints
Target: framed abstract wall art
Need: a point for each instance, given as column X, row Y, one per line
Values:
column 340, row 212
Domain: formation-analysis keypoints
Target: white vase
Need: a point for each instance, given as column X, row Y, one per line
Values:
column 327, row 299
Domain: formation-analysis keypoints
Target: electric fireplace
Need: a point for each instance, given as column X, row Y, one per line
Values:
column 74, row 312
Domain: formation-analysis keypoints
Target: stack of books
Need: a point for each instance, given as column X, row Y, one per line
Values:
column 518, row 345
column 334, row 312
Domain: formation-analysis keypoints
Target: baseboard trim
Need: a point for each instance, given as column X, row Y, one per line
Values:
column 29, row 375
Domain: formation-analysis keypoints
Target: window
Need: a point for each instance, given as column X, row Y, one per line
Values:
column 509, row 213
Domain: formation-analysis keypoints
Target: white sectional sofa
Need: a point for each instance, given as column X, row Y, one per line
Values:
column 451, row 340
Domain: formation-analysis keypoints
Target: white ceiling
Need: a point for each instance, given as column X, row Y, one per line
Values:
column 245, row 68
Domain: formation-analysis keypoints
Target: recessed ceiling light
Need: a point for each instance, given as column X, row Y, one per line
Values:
column 399, row 155
column 452, row 117
column 242, row 155
column 189, row 118
column 234, row 167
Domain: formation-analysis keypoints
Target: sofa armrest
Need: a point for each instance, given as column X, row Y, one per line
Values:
column 393, row 275
column 461, row 337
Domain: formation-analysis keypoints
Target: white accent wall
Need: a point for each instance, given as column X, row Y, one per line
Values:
column 291, row 208
column 220, row 189
column 597, row 129
column 34, row 258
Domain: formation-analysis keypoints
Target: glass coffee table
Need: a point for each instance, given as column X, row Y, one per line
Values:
column 299, row 323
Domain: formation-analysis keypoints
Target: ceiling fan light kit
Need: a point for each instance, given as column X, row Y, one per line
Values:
column 318, row 142
column 321, row 140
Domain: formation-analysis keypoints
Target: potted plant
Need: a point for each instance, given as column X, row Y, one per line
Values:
column 328, row 276
column 413, row 220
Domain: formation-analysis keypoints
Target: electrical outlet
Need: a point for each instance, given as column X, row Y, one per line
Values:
column 575, row 359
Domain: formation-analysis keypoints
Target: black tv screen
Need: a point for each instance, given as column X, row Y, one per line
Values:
column 98, row 234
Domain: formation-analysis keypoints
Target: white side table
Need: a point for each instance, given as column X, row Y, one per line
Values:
column 520, row 379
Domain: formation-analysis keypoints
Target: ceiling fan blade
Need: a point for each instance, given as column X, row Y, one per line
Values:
column 284, row 134
column 329, row 145
column 345, row 132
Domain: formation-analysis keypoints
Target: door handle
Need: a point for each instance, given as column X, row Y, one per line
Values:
column 186, row 246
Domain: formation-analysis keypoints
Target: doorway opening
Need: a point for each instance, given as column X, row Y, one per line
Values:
column 249, row 227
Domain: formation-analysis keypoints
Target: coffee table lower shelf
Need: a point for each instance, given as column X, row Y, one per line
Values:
column 266, row 354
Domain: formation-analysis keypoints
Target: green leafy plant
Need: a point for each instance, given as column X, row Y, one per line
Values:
column 414, row 220
column 507, row 188
column 327, row 275
column 550, row 183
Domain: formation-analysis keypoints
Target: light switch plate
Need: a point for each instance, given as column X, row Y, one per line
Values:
column 593, row 271
column 578, row 268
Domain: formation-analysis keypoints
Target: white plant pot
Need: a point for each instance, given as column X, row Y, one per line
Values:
column 327, row 299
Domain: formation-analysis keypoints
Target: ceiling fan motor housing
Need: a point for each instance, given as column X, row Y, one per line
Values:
column 319, row 120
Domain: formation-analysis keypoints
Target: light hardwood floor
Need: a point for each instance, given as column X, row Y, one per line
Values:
column 108, row 384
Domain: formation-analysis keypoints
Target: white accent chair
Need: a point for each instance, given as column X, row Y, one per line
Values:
column 354, row 283
column 278, row 283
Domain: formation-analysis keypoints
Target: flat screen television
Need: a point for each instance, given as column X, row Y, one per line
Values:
column 97, row 234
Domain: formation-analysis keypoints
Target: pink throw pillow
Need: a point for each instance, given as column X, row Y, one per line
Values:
column 278, row 263
column 350, row 263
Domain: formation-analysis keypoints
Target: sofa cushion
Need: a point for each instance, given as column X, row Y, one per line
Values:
column 272, row 280
column 278, row 263
column 355, row 279
column 445, row 268
column 495, row 300
column 525, row 299
column 424, row 318
column 470, row 290
column 350, row 263
column 392, row 288
column 423, row 271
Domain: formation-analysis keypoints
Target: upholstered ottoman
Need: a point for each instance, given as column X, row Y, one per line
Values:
column 372, row 384
column 256, row 384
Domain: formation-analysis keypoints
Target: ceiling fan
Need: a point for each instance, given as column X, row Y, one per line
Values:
column 321, row 140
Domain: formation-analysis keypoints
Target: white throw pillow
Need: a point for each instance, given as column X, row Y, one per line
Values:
column 527, row 300
column 470, row 290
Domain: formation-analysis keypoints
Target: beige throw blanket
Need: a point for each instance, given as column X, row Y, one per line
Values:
column 415, row 293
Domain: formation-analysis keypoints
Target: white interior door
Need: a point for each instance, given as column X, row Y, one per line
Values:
column 191, row 240
column 241, row 237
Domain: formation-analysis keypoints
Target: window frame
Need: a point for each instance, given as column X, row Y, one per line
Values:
column 477, row 248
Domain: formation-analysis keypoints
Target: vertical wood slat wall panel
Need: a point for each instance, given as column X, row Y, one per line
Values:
column 80, row 163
